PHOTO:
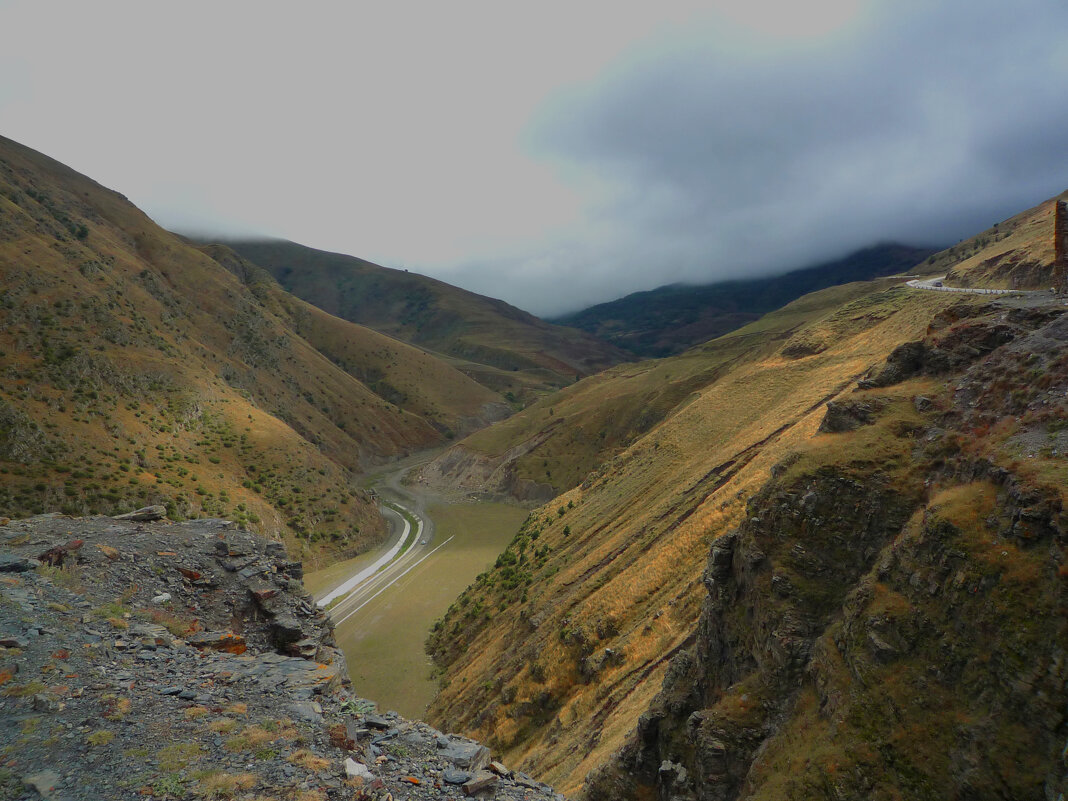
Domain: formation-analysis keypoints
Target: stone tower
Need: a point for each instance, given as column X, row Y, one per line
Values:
column 1060, row 247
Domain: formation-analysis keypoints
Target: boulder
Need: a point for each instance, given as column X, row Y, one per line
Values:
column 466, row 754
column 145, row 514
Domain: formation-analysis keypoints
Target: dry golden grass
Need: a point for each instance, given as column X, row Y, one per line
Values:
column 115, row 708
column 100, row 737
column 224, row 785
column 177, row 756
column 223, row 725
column 308, row 760
column 261, row 734
column 627, row 576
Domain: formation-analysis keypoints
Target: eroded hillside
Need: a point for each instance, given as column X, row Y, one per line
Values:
column 138, row 369
column 555, row 443
column 888, row 621
column 561, row 650
column 554, row 653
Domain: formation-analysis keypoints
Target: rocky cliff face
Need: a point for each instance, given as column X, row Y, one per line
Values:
column 166, row 661
column 889, row 621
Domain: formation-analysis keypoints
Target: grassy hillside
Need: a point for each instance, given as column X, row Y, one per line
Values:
column 138, row 369
column 669, row 319
column 555, row 443
column 555, row 653
column 882, row 624
column 498, row 345
column 604, row 584
column 403, row 375
column 1014, row 254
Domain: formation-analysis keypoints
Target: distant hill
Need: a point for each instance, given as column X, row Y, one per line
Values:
column 669, row 319
column 500, row 346
column 1016, row 253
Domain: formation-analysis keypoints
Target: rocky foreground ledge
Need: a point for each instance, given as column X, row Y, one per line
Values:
column 146, row 659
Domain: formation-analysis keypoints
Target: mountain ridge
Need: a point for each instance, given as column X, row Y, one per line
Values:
column 666, row 320
column 499, row 345
column 141, row 370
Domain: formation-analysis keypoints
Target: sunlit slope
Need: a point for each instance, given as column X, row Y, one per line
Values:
column 469, row 327
column 887, row 621
column 552, row 655
column 1014, row 254
column 139, row 370
column 555, row 443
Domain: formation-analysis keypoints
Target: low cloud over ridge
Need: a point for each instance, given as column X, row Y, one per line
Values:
column 714, row 154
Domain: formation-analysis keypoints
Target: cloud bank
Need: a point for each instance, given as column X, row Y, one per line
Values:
column 559, row 155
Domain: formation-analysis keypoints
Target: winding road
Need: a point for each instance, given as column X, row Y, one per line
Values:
column 410, row 545
column 935, row 284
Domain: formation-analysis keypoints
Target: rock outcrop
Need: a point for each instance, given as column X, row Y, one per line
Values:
column 890, row 619
column 181, row 660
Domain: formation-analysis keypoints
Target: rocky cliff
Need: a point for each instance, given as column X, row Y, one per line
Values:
column 174, row 661
column 889, row 620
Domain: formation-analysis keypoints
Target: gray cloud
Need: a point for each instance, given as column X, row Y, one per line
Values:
column 560, row 154
column 924, row 122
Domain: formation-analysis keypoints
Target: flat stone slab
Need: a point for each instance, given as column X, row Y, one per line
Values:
column 466, row 754
column 9, row 563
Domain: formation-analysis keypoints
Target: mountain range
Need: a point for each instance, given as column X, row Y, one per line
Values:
column 821, row 556
column 818, row 556
column 669, row 319
column 144, row 368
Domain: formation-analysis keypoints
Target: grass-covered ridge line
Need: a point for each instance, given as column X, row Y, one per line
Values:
column 141, row 370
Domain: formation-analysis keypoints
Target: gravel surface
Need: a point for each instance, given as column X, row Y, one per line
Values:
column 148, row 659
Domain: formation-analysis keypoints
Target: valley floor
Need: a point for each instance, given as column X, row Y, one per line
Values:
column 382, row 625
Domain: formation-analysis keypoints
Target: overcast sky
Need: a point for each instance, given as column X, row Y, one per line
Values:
column 554, row 154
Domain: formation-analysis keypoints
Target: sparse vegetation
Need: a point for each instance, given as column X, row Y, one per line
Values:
column 100, row 737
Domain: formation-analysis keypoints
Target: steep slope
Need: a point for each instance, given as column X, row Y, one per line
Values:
column 1014, row 254
column 555, row 443
column 140, row 370
column 824, row 651
column 498, row 345
column 889, row 620
column 603, row 585
column 669, row 319
column 401, row 374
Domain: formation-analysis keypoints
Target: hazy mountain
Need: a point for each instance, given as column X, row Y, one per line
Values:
column 669, row 319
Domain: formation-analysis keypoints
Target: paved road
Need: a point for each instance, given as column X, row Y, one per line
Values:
column 410, row 545
column 935, row 284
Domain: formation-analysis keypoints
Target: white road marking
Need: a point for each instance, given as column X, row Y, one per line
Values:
column 367, row 572
column 390, row 584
